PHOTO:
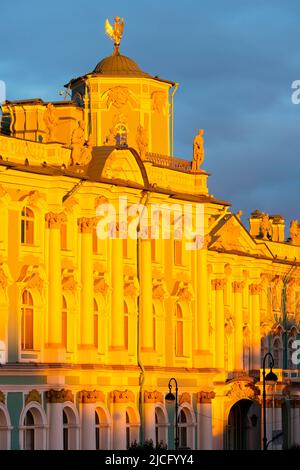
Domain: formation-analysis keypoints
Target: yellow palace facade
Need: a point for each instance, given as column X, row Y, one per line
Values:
column 93, row 329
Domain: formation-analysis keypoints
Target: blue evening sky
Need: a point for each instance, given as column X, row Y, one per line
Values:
column 235, row 61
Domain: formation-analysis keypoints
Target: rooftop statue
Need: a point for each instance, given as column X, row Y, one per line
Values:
column 115, row 32
column 198, row 151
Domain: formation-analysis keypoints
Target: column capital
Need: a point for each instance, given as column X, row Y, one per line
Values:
column 54, row 219
column 86, row 396
column 218, row 284
column 238, row 286
column 255, row 289
column 59, row 396
column 153, row 397
column 86, row 224
column 118, row 396
column 205, row 397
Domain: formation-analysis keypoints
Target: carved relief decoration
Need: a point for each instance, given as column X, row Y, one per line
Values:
column 131, row 285
column 54, row 220
column 159, row 102
column 229, row 235
column 159, row 289
column 33, row 395
column 86, row 224
column 59, row 396
column 125, row 396
column 240, row 390
column 205, row 397
column 86, row 396
column 153, row 397
column 185, row 398
column 117, row 96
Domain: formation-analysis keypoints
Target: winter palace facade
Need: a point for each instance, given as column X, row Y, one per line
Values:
column 92, row 329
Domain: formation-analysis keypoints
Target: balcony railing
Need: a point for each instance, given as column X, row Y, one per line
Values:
column 169, row 162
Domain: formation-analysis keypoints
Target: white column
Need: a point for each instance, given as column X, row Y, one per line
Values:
column 86, row 226
column 54, row 222
column 204, row 409
column 56, row 399
column 88, row 434
column 149, row 423
column 218, row 286
column 237, row 287
column 117, row 296
column 119, row 400
column 255, row 290
column 296, row 422
column 146, row 295
column 88, row 426
column 277, row 423
column 202, row 300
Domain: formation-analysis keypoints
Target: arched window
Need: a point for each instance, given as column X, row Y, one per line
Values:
column 64, row 323
column 179, row 331
column 27, row 321
column 186, row 429
column 291, row 350
column 33, row 429
column 125, row 325
column 101, row 429
column 277, row 353
column 96, row 324
column 29, row 432
column 131, row 426
column 182, row 424
column 4, row 431
column 121, row 135
column 69, row 429
column 160, row 427
column 27, row 226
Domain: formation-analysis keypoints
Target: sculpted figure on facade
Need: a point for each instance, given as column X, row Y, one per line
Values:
column 115, row 32
column 295, row 232
column 276, row 293
column 266, row 227
column 111, row 137
column 198, row 151
column 142, row 141
column 81, row 149
column 158, row 101
column 51, row 122
column 117, row 96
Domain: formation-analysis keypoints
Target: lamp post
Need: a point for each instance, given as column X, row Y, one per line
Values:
column 171, row 397
column 271, row 378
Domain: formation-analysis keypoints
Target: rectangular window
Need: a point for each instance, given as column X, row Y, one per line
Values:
column 64, row 329
column 153, row 249
column 178, row 252
column 95, row 241
column 63, row 236
column 27, row 329
column 125, row 248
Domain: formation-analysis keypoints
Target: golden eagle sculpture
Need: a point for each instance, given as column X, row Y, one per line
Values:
column 115, row 32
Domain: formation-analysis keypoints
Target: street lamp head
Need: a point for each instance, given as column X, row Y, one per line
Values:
column 170, row 396
column 271, row 378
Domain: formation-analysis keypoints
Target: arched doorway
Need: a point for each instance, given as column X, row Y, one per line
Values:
column 243, row 428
